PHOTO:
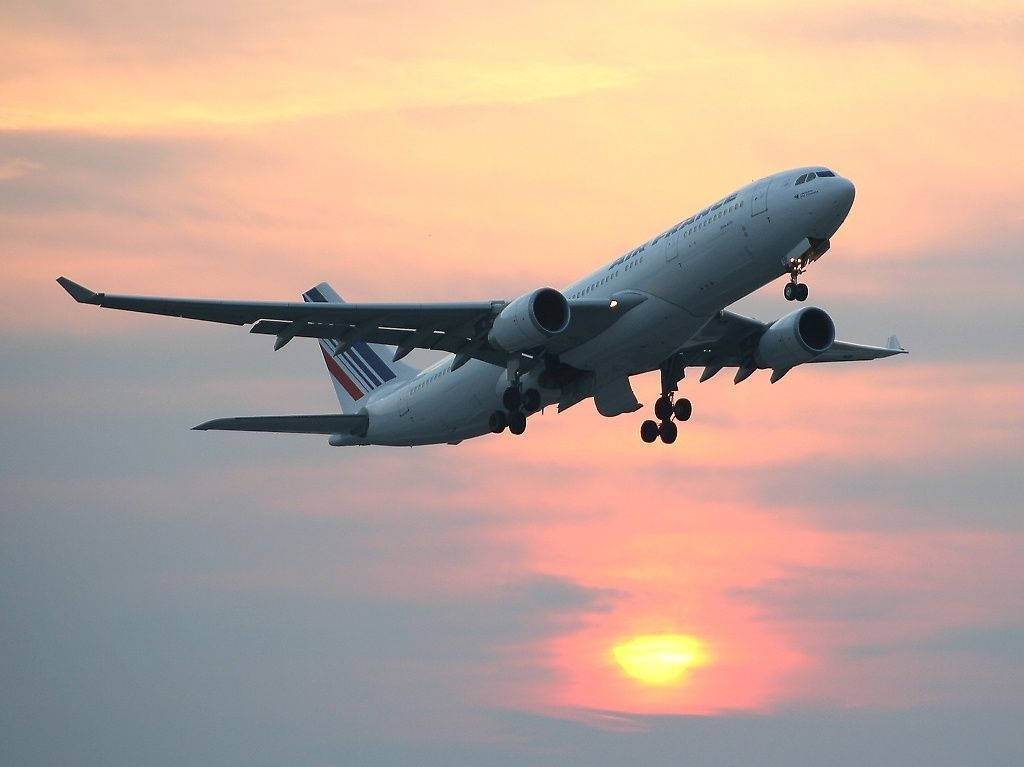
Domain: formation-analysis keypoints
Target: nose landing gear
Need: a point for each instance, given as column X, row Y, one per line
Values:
column 795, row 290
column 796, row 263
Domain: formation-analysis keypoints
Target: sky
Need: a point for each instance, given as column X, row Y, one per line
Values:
column 827, row 569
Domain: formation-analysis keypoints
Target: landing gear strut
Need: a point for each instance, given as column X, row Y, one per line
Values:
column 797, row 262
column 518, row 404
column 667, row 407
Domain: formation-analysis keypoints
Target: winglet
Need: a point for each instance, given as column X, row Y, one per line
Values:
column 895, row 345
column 81, row 294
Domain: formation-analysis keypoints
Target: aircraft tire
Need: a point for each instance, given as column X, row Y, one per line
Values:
column 789, row 291
column 663, row 408
column 511, row 398
column 801, row 292
column 682, row 410
column 669, row 431
column 649, row 431
column 516, row 422
column 531, row 400
column 498, row 422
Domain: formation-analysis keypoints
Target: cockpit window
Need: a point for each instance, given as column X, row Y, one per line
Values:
column 825, row 173
column 801, row 180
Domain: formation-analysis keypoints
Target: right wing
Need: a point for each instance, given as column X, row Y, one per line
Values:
column 730, row 340
column 460, row 328
column 843, row 351
column 292, row 424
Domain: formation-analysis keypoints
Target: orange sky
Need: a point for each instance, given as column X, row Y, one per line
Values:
column 410, row 151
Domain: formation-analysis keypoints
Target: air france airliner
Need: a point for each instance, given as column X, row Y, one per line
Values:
column 660, row 306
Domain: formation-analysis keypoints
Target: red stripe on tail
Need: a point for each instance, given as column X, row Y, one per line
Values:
column 341, row 376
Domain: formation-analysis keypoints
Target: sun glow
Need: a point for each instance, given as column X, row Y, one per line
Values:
column 661, row 659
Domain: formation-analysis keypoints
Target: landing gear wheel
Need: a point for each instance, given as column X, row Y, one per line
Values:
column 531, row 400
column 801, row 292
column 790, row 291
column 669, row 431
column 516, row 422
column 649, row 431
column 511, row 398
column 498, row 422
column 663, row 408
column 682, row 410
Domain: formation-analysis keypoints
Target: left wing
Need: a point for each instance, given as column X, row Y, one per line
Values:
column 460, row 328
column 730, row 340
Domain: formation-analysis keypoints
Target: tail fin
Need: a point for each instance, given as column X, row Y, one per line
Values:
column 360, row 368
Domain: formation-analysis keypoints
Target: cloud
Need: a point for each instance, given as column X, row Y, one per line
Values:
column 880, row 25
column 972, row 492
column 235, row 612
column 1003, row 642
column 845, row 538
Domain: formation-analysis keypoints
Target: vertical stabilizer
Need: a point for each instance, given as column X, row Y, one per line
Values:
column 358, row 369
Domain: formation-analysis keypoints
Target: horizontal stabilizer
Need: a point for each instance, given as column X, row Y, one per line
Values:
column 293, row 424
column 81, row 294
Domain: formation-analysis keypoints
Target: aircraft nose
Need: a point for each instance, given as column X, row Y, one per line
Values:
column 841, row 191
column 845, row 191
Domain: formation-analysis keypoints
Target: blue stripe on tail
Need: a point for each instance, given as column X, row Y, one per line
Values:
column 360, row 361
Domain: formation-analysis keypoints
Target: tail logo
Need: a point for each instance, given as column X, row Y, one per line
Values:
column 358, row 369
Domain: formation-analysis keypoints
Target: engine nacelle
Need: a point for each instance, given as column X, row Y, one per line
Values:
column 530, row 320
column 798, row 337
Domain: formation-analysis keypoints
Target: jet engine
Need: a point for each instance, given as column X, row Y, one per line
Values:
column 530, row 320
column 798, row 337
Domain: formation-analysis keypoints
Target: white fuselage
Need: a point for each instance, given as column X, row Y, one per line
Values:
column 688, row 273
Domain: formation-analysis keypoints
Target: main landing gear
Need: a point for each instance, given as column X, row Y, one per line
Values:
column 518, row 404
column 665, row 410
column 667, row 407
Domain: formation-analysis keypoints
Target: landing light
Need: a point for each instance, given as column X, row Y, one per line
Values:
column 612, row 304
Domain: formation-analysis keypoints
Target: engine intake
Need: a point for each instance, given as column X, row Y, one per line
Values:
column 796, row 338
column 530, row 320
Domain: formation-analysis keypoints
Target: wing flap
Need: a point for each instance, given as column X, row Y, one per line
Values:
column 292, row 424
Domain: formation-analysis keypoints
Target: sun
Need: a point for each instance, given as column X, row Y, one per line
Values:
column 660, row 659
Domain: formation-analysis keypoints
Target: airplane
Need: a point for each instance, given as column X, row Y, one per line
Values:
column 659, row 306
